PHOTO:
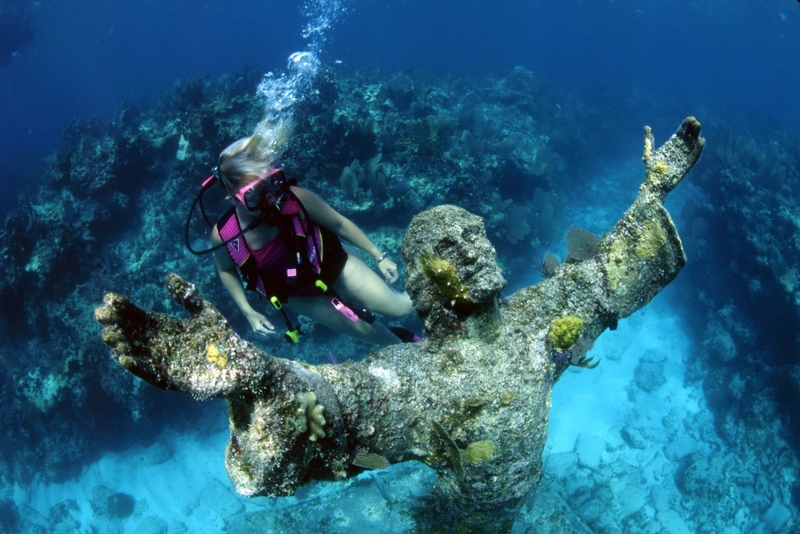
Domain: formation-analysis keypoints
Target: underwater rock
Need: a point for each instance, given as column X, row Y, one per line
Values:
column 777, row 516
column 120, row 505
column 649, row 374
column 484, row 372
column 633, row 437
column 680, row 448
column 157, row 454
column 589, row 449
column 112, row 505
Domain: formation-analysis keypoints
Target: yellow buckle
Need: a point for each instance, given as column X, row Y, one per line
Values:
column 321, row 285
column 292, row 336
column 276, row 303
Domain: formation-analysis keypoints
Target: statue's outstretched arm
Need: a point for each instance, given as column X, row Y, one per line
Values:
column 642, row 253
column 273, row 403
column 201, row 356
column 636, row 259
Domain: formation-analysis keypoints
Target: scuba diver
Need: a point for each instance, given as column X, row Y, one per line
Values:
column 285, row 243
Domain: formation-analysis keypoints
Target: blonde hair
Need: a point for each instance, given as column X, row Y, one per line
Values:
column 257, row 154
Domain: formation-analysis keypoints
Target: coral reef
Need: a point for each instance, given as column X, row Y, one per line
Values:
column 98, row 219
column 384, row 403
column 741, row 226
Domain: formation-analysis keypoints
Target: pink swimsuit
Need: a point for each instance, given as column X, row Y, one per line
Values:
column 274, row 255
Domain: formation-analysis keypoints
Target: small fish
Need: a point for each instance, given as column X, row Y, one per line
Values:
column 369, row 460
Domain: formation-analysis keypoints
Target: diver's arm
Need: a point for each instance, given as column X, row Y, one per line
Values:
column 334, row 221
column 340, row 225
column 229, row 275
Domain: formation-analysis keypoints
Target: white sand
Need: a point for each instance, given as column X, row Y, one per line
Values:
column 596, row 401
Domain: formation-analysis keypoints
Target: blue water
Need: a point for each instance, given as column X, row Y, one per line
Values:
column 86, row 57
column 659, row 61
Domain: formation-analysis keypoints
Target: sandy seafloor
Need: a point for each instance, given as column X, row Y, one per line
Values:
column 180, row 484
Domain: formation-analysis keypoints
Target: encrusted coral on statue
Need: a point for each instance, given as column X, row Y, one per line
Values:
column 443, row 273
column 479, row 451
column 309, row 416
column 564, row 332
column 215, row 356
column 652, row 238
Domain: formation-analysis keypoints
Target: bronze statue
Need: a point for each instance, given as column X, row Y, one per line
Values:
column 472, row 400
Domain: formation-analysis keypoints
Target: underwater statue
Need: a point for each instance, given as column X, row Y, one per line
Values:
column 472, row 400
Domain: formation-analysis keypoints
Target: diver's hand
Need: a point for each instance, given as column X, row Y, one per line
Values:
column 388, row 269
column 259, row 323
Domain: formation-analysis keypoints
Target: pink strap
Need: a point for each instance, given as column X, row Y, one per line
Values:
column 236, row 248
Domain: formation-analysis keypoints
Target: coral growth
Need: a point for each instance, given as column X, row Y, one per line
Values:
column 479, row 451
column 443, row 274
column 651, row 240
column 581, row 244
column 564, row 332
column 308, row 417
column 215, row 357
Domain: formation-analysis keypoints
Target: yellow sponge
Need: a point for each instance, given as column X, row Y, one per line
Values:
column 565, row 331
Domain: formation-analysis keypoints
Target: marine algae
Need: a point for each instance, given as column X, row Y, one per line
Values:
column 653, row 237
column 444, row 275
column 479, row 451
column 453, row 452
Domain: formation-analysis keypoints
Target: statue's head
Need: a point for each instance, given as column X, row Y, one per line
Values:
column 451, row 266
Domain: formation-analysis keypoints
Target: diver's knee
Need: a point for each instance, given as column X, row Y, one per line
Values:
column 401, row 307
column 361, row 330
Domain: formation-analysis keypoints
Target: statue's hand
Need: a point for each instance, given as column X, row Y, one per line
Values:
column 201, row 355
column 133, row 335
column 667, row 166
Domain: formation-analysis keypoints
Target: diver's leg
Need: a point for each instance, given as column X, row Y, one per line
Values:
column 320, row 310
column 359, row 283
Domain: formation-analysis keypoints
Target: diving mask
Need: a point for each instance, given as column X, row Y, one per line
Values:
column 263, row 194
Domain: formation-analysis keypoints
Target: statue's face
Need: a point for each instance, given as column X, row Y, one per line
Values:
column 450, row 238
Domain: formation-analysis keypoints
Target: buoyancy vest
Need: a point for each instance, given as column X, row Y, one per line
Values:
column 313, row 255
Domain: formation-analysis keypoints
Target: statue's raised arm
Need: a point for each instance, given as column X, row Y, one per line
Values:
column 471, row 400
